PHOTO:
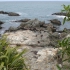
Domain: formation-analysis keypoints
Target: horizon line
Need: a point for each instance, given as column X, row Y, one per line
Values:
column 31, row 0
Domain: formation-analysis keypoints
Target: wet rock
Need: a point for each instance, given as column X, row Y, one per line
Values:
column 1, row 22
column 9, row 13
column 59, row 13
column 1, row 27
column 55, row 21
column 2, row 12
column 23, row 20
column 13, row 14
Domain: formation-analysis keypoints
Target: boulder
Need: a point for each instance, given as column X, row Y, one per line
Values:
column 13, row 14
column 55, row 21
column 1, row 22
column 2, row 12
column 59, row 13
column 9, row 13
column 31, row 24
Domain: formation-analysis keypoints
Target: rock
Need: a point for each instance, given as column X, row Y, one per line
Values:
column 68, row 36
column 43, row 59
column 11, row 29
column 55, row 21
column 54, row 37
column 13, row 14
column 59, row 13
column 9, row 13
column 1, row 27
column 2, row 12
column 28, row 37
column 32, row 25
column 23, row 20
column 35, row 23
column 51, row 28
column 1, row 22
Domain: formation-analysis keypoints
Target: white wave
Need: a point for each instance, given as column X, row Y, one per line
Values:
column 19, row 13
column 22, row 13
column 61, row 16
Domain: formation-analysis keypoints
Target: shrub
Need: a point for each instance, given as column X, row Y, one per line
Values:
column 65, row 43
column 66, row 9
column 10, row 59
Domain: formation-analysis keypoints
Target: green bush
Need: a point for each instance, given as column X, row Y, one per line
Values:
column 10, row 59
column 66, row 9
column 65, row 43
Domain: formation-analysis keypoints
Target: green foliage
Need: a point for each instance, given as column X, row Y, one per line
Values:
column 59, row 68
column 10, row 59
column 66, row 9
column 65, row 51
column 65, row 44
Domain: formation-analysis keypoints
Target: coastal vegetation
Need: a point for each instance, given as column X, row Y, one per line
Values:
column 65, row 43
column 10, row 59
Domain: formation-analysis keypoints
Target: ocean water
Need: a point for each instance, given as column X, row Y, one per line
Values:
column 31, row 9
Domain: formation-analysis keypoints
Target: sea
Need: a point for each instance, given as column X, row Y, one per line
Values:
column 41, row 10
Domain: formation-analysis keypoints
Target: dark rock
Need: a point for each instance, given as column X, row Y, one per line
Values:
column 54, row 37
column 9, row 13
column 32, row 25
column 51, row 28
column 59, row 13
column 2, row 12
column 55, row 21
column 13, row 14
column 23, row 20
column 1, row 22
column 1, row 27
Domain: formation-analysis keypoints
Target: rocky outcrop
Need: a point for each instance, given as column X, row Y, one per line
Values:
column 35, row 32
column 13, row 14
column 55, row 21
column 9, row 13
column 36, row 25
column 41, row 41
column 32, row 25
column 59, row 13
column 27, row 37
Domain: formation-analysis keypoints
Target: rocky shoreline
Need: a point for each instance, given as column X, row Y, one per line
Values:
column 40, row 39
